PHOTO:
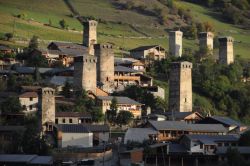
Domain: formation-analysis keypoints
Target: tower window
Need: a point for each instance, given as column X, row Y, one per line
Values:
column 107, row 79
column 185, row 100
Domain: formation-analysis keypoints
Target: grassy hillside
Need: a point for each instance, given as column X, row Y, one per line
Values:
column 124, row 28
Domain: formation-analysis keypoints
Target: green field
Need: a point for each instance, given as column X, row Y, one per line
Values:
column 123, row 28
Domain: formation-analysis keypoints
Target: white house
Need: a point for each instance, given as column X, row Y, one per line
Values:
column 29, row 102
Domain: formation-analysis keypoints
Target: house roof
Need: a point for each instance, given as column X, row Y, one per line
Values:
column 180, row 115
column 2, row 47
column 11, row 128
column 28, row 95
column 125, row 69
column 60, row 80
column 138, row 134
column 212, row 139
column 82, row 128
column 142, row 48
column 71, row 49
column 31, row 88
column 226, row 120
column 120, row 100
column 28, row 159
column 73, row 114
column 180, row 125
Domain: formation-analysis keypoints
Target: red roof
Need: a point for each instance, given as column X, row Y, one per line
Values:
column 28, row 95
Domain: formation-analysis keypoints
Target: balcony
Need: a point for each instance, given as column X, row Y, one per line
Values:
column 127, row 78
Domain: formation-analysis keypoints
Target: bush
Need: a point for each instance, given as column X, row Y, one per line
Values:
column 8, row 36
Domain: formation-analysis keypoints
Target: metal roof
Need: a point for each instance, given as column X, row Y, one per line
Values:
column 226, row 120
column 82, row 128
column 180, row 115
column 125, row 69
column 28, row 95
column 60, row 80
column 212, row 139
column 240, row 149
column 138, row 134
column 28, row 159
column 183, row 126
column 120, row 100
column 142, row 48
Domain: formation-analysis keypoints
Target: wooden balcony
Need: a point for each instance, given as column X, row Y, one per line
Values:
column 127, row 78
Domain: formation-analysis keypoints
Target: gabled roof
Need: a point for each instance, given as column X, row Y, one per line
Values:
column 142, row 48
column 183, row 126
column 120, row 100
column 226, row 120
column 82, row 128
column 28, row 95
column 73, row 114
column 181, row 115
column 71, row 49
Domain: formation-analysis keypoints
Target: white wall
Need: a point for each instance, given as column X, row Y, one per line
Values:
column 77, row 139
column 27, row 102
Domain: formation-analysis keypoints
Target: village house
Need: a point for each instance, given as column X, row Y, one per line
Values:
column 188, row 117
column 207, row 144
column 80, row 135
column 123, row 104
column 6, row 49
column 139, row 135
column 173, row 130
column 72, row 118
column 29, row 102
column 154, row 52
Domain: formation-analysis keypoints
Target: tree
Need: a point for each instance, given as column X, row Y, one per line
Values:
column 11, row 105
column 33, row 44
column 8, row 36
column 111, row 114
column 124, row 117
column 37, row 60
column 37, row 75
column 66, row 91
column 63, row 24
column 11, row 82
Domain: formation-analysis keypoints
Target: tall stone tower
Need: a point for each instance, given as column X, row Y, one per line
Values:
column 85, row 73
column 180, row 87
column 90, row 35
column 48, row 108
column 175, row 43
column 105, row 65
column 206, row 40
column 226, row 53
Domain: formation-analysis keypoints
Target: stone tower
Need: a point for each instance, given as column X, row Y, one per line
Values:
column 226, row 53
column 48, row 108
column 90, row 35
column 85, row 73
column 105, row 65
column 206, row 40
column 180, row 87
column 175, row 43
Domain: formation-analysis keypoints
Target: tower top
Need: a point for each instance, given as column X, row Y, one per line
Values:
column 206, row 34
column 48, row 91
column 184, row 64
column 226, row 39
column 173, row 33
column 90, row 23
column 103, row 46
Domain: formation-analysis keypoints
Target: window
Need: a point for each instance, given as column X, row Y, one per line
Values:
column 63, row 120
column 56, row 121
column 185, row 100
column 201, row 146
column 31, row 98
column 70, row 120
column 30, row 107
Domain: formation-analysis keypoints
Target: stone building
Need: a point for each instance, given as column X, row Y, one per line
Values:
column 175, row 43
column 48, row 108
column 226, row 54
column 85, row 73
column 29, row 102
column 152, row 52
column 180, row 90
column 90, row 35
column 105, row 65
column 206, row 40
